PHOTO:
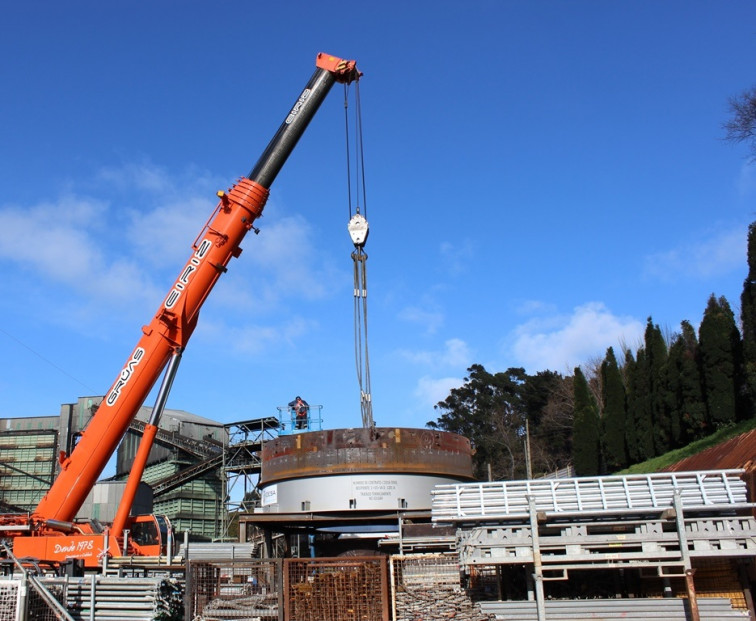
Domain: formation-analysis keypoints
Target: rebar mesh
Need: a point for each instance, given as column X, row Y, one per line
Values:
column 37, row 609
column 9, row 590
column 238, row 590
column 337, row 589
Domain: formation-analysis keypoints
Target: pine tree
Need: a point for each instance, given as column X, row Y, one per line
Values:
column 613, row 416
column 586, row 456
column 719, row 344
column 748, row 319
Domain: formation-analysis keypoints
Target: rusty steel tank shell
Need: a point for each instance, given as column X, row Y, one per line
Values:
column 361, row 450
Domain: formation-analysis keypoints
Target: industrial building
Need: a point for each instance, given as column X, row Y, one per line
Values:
column 28, row 452
column 184, row 469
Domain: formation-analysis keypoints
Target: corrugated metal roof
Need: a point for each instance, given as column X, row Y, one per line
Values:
column 737, row 452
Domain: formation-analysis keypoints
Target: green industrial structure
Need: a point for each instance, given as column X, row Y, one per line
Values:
column 184, row 470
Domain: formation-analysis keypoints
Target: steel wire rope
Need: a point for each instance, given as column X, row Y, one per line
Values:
column 359, row 258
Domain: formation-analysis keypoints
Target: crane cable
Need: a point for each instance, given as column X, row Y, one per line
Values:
column 358, row 231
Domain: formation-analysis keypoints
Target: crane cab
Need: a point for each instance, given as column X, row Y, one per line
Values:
column 150, row 535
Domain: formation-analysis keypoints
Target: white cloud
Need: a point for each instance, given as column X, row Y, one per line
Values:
column 533, row 307
column 254, row 339
column 51, row 237
column 455, row 354
column 280, row 266
column 163, row 235
column 108, row 257
column 429, row 391
column 455, row 257
column 143, row 176
column 560, row 343
column 700, row 260
column 429, row 320
column 62, row 243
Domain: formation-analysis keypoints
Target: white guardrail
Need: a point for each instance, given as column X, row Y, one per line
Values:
column 698, row 490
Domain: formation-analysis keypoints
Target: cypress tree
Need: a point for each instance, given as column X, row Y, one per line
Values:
column 656, row 356
column 719, row 344
column 639, row 411
column 586, row 455
column 613, row 416
column 686, row 407
column 691, row 402
column 672, row 380
column 748, row 319
column 628, row 376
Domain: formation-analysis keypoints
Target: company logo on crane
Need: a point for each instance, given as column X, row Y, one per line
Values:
column 298, row 106
column 183, row 279
column 125, row 376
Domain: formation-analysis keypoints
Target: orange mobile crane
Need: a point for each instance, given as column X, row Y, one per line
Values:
column 50, row 532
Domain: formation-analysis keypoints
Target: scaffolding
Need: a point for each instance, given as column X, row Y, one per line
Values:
column 662, row 526
column 242, row 463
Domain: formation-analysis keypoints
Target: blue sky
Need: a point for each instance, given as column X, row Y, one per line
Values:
column 541, row 177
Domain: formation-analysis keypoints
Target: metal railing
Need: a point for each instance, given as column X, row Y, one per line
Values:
column 701, row 490
column 290, row 424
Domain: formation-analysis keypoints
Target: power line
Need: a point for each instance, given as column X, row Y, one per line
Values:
column 46, row 360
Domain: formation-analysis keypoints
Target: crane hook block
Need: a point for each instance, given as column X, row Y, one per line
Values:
column 358, row 230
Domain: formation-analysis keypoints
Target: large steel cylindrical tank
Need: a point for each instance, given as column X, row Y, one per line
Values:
column 379, row 468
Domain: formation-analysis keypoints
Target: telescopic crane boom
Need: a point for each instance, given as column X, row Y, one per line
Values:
column 170, row 329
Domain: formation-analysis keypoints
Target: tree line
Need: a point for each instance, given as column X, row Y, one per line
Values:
column 617, row 411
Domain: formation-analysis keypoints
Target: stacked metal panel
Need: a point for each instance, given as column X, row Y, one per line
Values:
column 671, row 609
column 698, row 491
column 213, row 551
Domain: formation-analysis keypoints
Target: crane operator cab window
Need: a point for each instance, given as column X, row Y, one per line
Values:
column 145, row 533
